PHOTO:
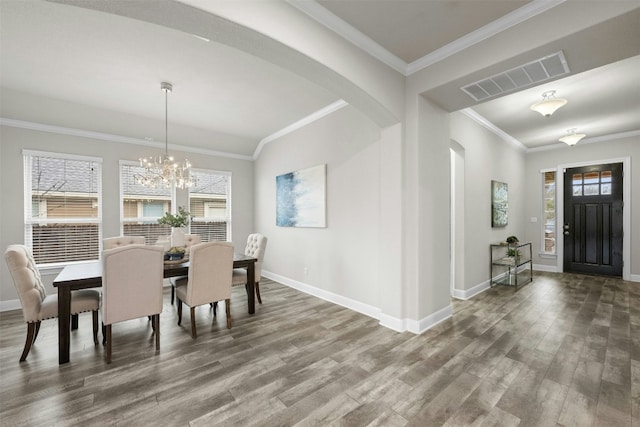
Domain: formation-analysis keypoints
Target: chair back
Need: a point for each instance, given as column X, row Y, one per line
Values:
column 210, row 271
column 26, row 279
column 256, row 247
column 118, row 241
column 191, row 240
column 131, row 282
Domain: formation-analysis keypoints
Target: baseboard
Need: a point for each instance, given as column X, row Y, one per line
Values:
column 547, row 268
column 394, row 323
column 634, row 277
column 423, row 325
column 13, row 304
column 465, row 294
column 349, row 303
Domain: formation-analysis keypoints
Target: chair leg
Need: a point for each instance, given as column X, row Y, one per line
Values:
column 108, row 338
column 173, row 293
column 157, row 323
column 215, row 308
column 104, row 334
column 74, row 322
column 194, row 334
column 37, row 330
column 179, row 311
column 31, row 331
column 95, row 327
column 258, row 292
column 228, row 305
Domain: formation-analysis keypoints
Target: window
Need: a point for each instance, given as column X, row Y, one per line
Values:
column 549, row 215
column 141, row 206
column 62, row 195
column 209, row 203
column 591, row 183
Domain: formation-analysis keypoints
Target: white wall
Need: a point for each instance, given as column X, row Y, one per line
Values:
column 14, row 140
column 342, row 261
column 487, row 157
column 592, row 153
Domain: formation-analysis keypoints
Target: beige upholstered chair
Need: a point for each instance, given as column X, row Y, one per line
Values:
column 256, row 246
column 118, row 241
column 189, row 241
column 209, row 279
column 36, row 304
column 131, row 287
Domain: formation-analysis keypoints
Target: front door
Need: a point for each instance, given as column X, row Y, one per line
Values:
column 593, row 220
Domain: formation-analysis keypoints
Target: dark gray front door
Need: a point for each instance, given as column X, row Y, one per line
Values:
column 593, row 220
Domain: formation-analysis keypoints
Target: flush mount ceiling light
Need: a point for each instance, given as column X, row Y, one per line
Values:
column 163, row 171
column 549, row 103
column 572, row 137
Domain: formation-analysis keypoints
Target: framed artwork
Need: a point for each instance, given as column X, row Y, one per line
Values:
column 499, row 204
column 301, row 198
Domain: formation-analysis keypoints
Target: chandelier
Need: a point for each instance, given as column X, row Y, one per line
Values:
column 572, row 137
column 163, row 171
column 549, row 103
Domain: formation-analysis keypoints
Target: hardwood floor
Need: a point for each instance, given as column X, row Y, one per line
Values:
column 563, row 350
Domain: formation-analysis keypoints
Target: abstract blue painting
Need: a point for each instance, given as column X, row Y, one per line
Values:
column 300, row 198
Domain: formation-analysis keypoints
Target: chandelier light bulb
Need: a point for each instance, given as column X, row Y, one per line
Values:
column 549, row 103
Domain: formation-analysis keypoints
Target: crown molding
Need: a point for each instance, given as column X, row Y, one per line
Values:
column 299, row 124
column 347, row 31
column 603, row 138
column 509, row 20
column 364, row 42
column 113, row 138
column 473, row 115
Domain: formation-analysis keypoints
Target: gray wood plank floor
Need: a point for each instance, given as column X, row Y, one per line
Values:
column 563, row 350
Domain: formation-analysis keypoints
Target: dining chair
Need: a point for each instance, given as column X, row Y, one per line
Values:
column 189, row 240
column 256, row 246
column 118, row 241
column 131, row 287
column 209, row 279
column 36, row 304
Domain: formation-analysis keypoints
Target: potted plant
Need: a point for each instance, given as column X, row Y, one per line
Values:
column 178, row 223
column 512, row 240
column 181, row 219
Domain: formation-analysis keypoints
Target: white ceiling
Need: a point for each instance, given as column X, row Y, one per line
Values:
column 102, row 60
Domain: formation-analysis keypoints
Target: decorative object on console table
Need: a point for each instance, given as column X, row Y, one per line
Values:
column 510, row 264
column 499, row 204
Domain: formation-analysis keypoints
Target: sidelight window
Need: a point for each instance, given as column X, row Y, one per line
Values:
column 549, row 214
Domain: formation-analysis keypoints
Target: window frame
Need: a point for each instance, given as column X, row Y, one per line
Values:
column 29, row 220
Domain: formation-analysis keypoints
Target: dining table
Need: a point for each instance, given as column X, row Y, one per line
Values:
column 89, row 275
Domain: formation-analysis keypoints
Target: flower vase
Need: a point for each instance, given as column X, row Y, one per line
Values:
column 178, row 236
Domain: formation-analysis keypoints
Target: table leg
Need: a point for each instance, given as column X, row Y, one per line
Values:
column 64, row 311
column 251, row 284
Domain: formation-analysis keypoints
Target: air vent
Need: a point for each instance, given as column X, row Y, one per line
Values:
column 533, row 72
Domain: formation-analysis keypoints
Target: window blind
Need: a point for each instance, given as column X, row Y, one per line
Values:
column 142, row 206
column 62, row 207
column 209, row 203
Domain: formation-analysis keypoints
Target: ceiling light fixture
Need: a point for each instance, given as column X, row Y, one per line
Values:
column 549, row 103
column 572, row 137
column 162, row 171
